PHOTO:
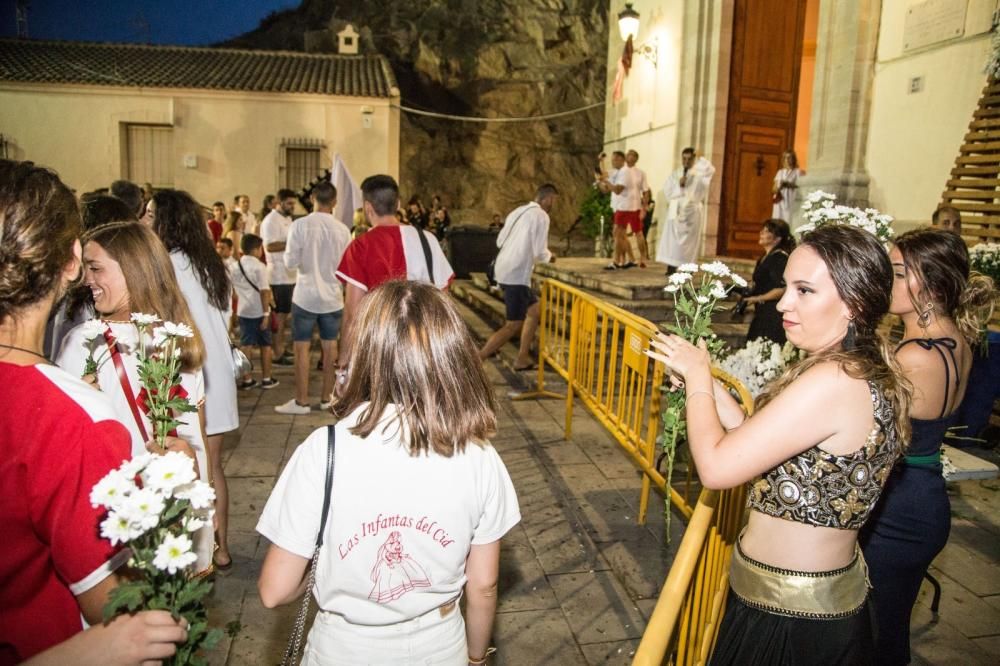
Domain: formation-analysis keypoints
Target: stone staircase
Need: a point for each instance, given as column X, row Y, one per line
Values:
column 637, row 290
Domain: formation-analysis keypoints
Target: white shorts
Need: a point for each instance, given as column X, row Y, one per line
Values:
column 428, row 639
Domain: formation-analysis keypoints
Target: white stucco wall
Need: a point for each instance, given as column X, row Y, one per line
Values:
column 914, row 138
column 235, row 136
column 646, row 118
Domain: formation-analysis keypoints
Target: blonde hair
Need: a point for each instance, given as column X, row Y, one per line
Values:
column 152, row 283
column 414, row 351
column 862, row 273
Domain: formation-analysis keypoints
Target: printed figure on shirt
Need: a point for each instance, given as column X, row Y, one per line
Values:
column 395, row 573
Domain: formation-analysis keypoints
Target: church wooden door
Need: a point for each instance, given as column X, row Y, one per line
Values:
column 763, row 92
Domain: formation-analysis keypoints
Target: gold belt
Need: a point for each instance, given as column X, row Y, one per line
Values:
column 820, row 595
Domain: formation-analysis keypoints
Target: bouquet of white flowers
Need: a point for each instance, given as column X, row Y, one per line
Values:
column 155, row 505
column 758, row 363
column 696, row 291
column 985, row 258
column 820, row 208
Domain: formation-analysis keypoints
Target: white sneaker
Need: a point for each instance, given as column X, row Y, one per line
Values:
column 325, row 406
column 292, row 407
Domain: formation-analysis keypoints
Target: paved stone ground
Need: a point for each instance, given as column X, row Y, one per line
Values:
column 579, row 576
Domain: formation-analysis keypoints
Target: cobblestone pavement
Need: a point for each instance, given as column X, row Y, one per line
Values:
column 579, row 576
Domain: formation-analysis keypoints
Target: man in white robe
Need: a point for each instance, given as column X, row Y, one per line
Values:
column 686, row 191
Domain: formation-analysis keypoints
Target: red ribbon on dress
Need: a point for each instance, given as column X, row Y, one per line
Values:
column 116, row 358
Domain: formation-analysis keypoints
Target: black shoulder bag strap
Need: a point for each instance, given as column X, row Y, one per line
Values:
column 427, row 253
column 240, row 264
column 294, row 649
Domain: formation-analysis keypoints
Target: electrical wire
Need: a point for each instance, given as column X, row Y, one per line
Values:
column 474, row 119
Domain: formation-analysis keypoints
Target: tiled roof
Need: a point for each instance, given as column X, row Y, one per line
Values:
column 138, row 65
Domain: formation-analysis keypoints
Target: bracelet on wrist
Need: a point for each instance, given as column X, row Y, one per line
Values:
column 710, row 394
column 482, row 660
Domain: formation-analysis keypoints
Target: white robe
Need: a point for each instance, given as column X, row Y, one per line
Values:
column 784, row 209
column 680, row 239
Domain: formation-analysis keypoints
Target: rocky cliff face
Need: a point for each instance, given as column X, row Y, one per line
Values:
column 486, row 58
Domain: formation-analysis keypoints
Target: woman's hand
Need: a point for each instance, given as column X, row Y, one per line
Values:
column 128, row 640
column 678, row 354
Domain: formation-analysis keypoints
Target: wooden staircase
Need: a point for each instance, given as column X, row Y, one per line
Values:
column 974, row 186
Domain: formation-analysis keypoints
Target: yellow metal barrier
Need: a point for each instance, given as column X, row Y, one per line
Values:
column 686, row 619
column 598, row 349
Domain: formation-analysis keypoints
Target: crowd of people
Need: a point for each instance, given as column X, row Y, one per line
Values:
column 847, row 502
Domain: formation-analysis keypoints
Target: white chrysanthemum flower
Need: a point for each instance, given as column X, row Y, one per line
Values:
column 200, row 494
column 119, row 529
column 702, row 299
column 176, row 330
column 112, row 490
column 738, row 280
column 688, row 268
column 166, row 472
column 142, row 319
column 193, row 523
column 716, row 268
column 132, row 467
column 143, row 508
column 671, row 288
column 679, row 278
column 174, row 554
column 93, row 329
column 718, row 292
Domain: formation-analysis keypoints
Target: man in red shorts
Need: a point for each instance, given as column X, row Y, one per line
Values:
column 626, row 201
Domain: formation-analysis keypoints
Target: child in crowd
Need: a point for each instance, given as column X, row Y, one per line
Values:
column 225, row 249
column 254, row 304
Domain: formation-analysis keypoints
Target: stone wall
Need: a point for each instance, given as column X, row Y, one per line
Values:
column 486, row 58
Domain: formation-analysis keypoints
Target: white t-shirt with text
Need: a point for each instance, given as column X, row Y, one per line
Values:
column 400, row 526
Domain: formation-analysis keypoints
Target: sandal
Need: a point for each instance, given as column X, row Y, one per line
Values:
column 222, row 567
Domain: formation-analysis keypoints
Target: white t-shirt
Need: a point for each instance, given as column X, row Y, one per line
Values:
column 248, row 303
column 522, row 241
column 315, row 246
column 400, row 526
column 631, row 197
column 274, row 229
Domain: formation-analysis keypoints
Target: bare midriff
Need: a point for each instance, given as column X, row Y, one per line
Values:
column 797, row 546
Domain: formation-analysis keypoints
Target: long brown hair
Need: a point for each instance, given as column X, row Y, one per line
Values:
column 39, row 222
column 415, row 352
column 861, row 270
column 939, row 259
column 152, row 283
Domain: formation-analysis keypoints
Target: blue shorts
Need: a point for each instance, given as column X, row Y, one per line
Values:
column 518, row 298
column 251, row 335
column 304, row 321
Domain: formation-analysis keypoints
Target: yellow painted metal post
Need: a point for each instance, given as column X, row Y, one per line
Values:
column 574, row 339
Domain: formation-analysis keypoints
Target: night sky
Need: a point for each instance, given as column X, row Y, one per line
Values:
column 187, row 22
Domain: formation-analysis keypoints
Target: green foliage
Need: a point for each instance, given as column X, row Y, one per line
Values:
column 595, row 205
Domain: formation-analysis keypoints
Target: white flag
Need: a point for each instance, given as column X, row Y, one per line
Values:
column 348, row 192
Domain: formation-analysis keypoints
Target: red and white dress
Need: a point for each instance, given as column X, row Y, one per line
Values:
column 393, row 252
column 58, row 438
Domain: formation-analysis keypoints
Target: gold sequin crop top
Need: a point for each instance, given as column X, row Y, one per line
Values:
column 827, row 490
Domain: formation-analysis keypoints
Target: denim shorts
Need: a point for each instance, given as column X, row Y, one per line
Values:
column 251, row 335
column 304, row 321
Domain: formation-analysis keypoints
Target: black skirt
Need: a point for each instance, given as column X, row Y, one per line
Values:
column 751, row 637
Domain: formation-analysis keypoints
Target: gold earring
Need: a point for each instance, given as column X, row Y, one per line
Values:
column 924, row 318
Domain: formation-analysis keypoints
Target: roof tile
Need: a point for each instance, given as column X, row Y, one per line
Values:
column 146, row 66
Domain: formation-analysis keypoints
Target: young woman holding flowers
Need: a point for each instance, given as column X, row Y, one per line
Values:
column 128, row 270
column 944, row 312
column 818, row 450
column 58, row 438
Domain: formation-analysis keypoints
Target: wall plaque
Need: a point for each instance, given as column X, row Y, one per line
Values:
column 933, row 21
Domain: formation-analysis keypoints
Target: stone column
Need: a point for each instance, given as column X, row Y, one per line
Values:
column 842, row 94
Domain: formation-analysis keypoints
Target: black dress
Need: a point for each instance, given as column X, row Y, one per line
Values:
column 768, row 274
column 910, row 525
